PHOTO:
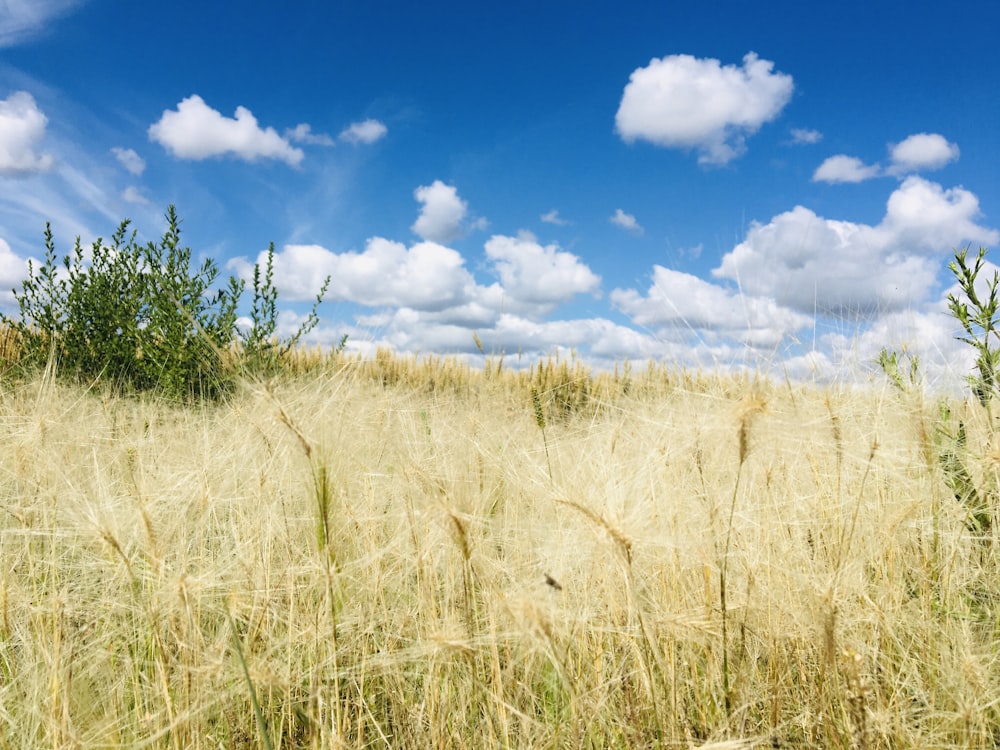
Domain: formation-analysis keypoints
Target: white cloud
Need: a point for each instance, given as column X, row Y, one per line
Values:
column 21, row 20
column 13, row 271
column 366, row 131
column 682, row 101
column 809, row 263
column 132, row 194
column 842, row 168
column 553, row 217
column 692, row 252
column 302, row 133
column 129, row 159
column 22, row 126
column 921, row 215
column 426, row 276
column 626, row 222
column 601, row 338
column 605, row 341
column 806, row 136
column 441, row 216
column 928, row 334
column 677, row 299
column 537, row 275
column 921, row 151
column 411, row 330
column 196, row 131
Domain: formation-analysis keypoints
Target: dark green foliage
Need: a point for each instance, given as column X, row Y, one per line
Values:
column 140, row 318
column 189, row 327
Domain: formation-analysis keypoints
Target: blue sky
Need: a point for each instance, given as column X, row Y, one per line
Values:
column 727, row 184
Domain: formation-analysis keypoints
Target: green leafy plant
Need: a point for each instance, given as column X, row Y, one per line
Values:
column 975, row 308
column 977, row 315
column 142, row 318
column 895, row 364
column 263, row 350
column 953, row 457
column 189, row 324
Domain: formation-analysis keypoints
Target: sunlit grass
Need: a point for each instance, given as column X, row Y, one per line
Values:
column 392, row 553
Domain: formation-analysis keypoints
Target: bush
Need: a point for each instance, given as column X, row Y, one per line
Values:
column 139, row 318
column 977, row 315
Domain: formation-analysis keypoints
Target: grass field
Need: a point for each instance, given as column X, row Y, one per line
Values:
column 401, row 555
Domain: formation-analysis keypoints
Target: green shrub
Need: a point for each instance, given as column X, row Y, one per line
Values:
column 139, row 318
column 977, row 315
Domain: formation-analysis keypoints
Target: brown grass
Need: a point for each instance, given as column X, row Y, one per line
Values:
column 379, row 554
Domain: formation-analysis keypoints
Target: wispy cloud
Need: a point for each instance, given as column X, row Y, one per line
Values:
column 553, row 217
column 626, row 221
column 23, row 20
column 132, row 194
column 302, row 133
column 366, row 131
column 802, row 136
column 129, row 159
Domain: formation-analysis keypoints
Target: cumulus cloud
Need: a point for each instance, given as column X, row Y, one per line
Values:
column 682, row 101
column 805, row 136
column 431, row 281
column 22, row 127
column 302, row 133
column 626, row 222
column 677, row 299
column 22, row 20
column 808, row 262
column 366, row 131
column 842, row 168
column 553, row 217
column 442, row 212
column 922, row 151
column 919, row 152
column 129, row 159
column 426, row 276
column 196, row 131
column 542, row 276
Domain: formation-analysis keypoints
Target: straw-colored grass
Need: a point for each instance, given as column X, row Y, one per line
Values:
column 341, row 561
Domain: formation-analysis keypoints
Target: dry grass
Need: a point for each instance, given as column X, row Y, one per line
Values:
column 350, row 561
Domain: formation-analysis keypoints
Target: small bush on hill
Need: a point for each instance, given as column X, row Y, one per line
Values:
column 140, row 318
